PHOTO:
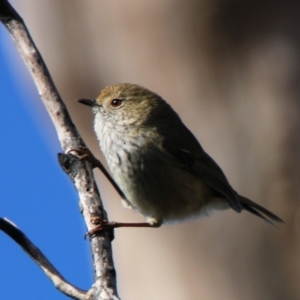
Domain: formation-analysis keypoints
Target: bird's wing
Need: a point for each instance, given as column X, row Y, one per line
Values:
column 204, row 167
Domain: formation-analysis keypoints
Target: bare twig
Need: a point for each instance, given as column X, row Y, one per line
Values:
column 35, row 253
column 81, row 174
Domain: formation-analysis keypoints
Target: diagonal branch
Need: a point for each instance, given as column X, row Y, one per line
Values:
column 83, row 179
column 35, row 253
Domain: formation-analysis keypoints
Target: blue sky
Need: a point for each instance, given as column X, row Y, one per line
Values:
column 35, row 193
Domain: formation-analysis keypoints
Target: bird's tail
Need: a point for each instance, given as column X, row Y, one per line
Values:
column 259, row 211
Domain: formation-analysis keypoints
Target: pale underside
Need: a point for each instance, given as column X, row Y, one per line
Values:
column 153, row 181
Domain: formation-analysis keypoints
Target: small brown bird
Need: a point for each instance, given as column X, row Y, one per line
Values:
column 158, row 164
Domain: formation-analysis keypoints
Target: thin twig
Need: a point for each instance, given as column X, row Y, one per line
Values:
column 35, row 253
column 83, row 179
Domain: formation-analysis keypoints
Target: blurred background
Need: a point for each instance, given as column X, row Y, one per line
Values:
column 230, row 69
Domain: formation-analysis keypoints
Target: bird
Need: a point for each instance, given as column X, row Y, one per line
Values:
column 157, row 165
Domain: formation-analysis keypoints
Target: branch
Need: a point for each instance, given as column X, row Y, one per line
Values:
column 35, row 253
column 83, row 179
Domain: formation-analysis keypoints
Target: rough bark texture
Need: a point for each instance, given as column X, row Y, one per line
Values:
column 79, row 171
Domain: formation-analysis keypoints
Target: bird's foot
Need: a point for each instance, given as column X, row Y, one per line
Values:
column 106, row 225
column 82, row 152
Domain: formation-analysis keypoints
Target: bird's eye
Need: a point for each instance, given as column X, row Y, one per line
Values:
column 116, row 102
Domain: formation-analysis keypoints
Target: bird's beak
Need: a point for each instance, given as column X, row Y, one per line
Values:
column 88, row 102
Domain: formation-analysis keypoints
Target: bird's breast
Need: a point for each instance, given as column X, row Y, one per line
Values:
column 153, row 182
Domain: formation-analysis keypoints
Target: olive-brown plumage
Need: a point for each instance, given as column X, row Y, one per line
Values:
column 157, row 162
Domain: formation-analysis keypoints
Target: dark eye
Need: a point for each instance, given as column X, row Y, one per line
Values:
column 116, row 102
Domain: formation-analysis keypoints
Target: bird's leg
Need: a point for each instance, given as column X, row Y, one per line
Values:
column 84, row 153
column 106, row 225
